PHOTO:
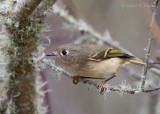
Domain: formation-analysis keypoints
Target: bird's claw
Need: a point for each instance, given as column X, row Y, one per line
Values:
column 101, row 87
column 76, row 79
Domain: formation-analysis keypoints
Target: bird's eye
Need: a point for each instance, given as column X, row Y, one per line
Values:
column 64, row 52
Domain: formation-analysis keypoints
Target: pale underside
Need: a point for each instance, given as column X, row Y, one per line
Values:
column 100, row 69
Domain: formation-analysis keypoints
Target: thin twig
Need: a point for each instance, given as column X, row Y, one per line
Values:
column 147, row 63
column 147, row 56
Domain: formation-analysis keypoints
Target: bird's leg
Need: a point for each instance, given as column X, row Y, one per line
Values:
column 76, row 79
column 111, row 77
column 102, row 83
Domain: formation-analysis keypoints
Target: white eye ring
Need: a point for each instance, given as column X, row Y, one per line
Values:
column 64, row 52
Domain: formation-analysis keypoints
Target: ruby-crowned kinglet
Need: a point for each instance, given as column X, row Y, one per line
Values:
column 91, row 61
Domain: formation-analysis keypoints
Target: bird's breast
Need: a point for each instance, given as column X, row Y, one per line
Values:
column 101, row 69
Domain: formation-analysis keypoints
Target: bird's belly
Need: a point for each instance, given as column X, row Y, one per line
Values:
column 102, row 69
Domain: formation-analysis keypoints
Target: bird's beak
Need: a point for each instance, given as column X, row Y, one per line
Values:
column 52, row 54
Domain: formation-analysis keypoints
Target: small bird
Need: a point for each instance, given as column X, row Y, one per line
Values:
column 92, row 61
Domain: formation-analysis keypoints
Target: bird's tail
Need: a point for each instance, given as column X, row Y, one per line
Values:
column 134, row 61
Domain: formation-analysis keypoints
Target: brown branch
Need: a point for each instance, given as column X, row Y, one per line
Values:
column 147, row 63
column 147, row 56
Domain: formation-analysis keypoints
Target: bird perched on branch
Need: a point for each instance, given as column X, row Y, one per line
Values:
column 92, row 61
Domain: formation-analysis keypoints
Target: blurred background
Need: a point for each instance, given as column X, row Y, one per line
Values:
column 128, row 23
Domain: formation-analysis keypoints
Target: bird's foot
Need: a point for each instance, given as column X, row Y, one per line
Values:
column 100, row 86
column 102, row 83
column 76, row 79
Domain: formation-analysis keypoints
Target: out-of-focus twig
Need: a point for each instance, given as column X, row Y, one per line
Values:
column 45, row 4
column 26, row 8
column 155, row 5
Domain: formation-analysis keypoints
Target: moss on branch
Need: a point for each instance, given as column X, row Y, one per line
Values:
column 22, row 92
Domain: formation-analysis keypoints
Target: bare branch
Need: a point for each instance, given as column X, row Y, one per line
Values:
column 147, row 63
column 155, row 5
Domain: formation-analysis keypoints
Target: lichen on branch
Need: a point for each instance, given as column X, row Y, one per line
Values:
column 23, row 28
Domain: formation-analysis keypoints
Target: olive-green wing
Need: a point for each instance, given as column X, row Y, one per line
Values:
column 112, row 53
column 109, row 53
column 117, row 53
